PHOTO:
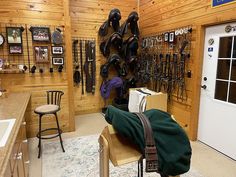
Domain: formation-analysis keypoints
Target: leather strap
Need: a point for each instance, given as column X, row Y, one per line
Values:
column 90, row 66
column 150, row 147
column 81, row 64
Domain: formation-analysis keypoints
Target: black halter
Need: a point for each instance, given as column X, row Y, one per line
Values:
column 114, row 19
column 132, row 22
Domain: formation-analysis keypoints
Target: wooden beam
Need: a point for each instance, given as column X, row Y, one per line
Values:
column 69, row 64
column 197, row 76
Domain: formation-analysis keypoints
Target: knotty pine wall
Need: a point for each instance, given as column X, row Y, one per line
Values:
column 159, row 16
column 38, row 12
column 86, row 18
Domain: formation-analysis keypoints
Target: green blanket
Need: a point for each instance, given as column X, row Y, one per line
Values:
column 173, row 147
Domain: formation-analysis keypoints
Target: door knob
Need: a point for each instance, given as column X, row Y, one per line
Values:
column 203, row 86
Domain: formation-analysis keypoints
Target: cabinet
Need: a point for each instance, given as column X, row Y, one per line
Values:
column 18, row 165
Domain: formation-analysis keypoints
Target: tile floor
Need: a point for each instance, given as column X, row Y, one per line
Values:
column 206, row 160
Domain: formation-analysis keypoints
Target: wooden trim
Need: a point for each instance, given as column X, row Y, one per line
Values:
column 69, row 65
column 197, row 76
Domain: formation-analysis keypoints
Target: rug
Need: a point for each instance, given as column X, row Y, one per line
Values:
column 81, row 159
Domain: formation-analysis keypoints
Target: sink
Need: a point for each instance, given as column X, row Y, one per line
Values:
column 5, row 130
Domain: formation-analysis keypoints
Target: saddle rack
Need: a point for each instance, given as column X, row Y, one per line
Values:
column 117, row 149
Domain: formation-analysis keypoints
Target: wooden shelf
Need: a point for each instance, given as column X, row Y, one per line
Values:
column 11, row 71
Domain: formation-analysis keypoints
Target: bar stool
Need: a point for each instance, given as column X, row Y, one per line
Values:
column 52, row 107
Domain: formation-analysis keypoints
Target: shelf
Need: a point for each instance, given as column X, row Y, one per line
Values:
column 11, row 71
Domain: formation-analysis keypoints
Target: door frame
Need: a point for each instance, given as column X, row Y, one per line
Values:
column 197, row 75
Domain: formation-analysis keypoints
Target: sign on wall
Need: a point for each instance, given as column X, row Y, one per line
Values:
column 216, row 3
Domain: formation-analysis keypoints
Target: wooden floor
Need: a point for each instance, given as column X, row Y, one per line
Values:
column 206, row 160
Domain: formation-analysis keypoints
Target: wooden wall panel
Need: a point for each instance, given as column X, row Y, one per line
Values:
column 86, row 18
column 45, row 13
column 159, row 16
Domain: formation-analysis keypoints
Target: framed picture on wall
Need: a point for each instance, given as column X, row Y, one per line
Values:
column 172, row 37
column 15, row 49
column 40, row 34
column 57, row 60
column 166, row 37
column 57, row 50
column 41, row 54
column 14, row 35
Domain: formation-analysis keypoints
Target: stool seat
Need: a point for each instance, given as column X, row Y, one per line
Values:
column 47, row 109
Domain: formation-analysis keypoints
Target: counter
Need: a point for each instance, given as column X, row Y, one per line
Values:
column 12, row 106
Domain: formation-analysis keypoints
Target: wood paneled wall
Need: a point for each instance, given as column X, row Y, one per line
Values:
column 86, row 18
column 40, row 12
column 159, row 16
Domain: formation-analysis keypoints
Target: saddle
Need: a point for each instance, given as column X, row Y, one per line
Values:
column 114, row 19
column 132, row 22
column 150, row 151
column 161, row 140
column 112, row 60
column 130, row 48
column 116, row 40
column 107, row 86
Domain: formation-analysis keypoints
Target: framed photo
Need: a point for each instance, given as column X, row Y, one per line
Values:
column 166, row 37
column 41, row 54
column 57, row 60
column 57, row 50
column 40, row 34
column 14, row 35
column 172, row 37
column 15, row 49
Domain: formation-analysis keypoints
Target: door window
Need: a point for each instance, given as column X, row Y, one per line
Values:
column 225, row 88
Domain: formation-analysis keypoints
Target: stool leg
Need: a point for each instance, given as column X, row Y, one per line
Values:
column 58, row 128
column 39, row 145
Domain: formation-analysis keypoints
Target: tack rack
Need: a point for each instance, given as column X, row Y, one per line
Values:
column 156, row 50
column 27, row 57
column 76, row 53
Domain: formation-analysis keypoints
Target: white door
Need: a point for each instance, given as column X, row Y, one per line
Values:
column 217, row 116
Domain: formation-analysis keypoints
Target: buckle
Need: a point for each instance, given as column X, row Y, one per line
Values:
column 151, row 159
column 151, row 166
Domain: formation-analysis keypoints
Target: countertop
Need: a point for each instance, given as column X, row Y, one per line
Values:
column 12, row 106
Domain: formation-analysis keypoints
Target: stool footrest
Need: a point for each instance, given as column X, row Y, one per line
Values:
column 49, row 136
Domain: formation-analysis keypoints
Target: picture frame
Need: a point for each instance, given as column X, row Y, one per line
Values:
column 57, row 50
column 40, row 34
column 58, row 60
column 166, row 37
column 172, row 37
column 14, row 35
column 15, row 49
column 41, row 54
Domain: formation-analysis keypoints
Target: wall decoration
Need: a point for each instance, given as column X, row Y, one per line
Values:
column 57, row 50
column 2, row 40
column 57, row 37
column 211, row 41
column 14, row 35
column 57, row 60
column 217, row 3
column 1, row 63
column 172, row 37
column 15, row 49
column 40, row 34
column 41, row 54
column 166, row 37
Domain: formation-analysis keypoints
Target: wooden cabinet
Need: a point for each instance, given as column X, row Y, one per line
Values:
column 18, row 165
